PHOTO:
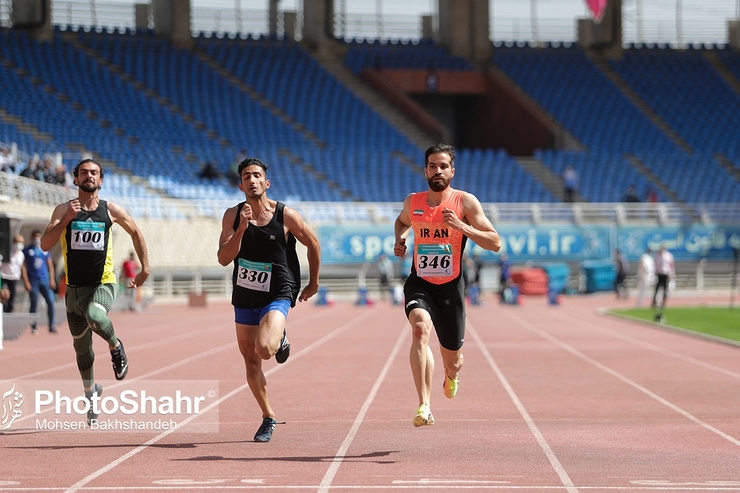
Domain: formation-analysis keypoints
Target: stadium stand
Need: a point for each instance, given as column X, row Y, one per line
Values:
column 154, row 114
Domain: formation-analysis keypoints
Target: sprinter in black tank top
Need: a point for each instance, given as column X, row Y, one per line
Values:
column 83, row 227
column 258, row 236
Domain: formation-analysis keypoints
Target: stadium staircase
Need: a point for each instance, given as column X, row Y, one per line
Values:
column 329, row 60
column 658, row 183
column 719, row 66
column 599, row 61
column 728, row 165
column 545, row 175
column 564, row 139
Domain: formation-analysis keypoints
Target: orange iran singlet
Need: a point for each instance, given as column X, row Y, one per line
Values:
column 438, row 248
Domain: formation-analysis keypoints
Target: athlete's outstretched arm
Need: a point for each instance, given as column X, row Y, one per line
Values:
column 476, row 225
column 298, row 227
column 119, row 215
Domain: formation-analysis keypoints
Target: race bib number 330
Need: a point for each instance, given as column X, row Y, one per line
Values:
column 254, row 275
column 434, row 260
column 88, row 235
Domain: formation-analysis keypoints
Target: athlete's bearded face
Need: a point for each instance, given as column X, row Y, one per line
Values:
column 254, row 183
column 88, row 177
column 439, row 171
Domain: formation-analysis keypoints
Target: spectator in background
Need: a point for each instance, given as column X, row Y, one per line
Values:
column 7, row 161
column 652, row 196
column 31, row 168
column 63, row 177
column 209, row 171
column 665, row 271
column 622, row 266
column 47, row 173
column 631, row 195
column 504, row 274
column 645, row 274
column 570, row 184
column 406, row 262
column 385, row 274
column 129, row 270
column 11, row 271
column 38, row 277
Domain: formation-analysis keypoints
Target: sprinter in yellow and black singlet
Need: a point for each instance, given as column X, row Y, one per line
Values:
column 442, row 219
column 83, row 226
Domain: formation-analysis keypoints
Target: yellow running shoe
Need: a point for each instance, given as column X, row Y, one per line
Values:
column 423, row 416
column 450, row 386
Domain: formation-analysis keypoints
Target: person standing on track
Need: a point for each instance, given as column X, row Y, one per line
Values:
column 442, row 220
column 259, row 237
column 83, row 227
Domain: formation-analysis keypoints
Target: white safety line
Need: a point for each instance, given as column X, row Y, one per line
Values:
column 164, row 369
column 556, row 465
column 247, row 485
column 621, row 377
column 574, row 321
column 342, row 452
column 84, row 481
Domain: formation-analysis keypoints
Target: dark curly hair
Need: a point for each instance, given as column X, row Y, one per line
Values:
column 252, row 161
column 437, row 148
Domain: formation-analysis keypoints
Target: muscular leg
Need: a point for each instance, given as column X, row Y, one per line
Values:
column 257, row 343
column 421, row 357
column 97, row 315
column 452, row 360
column 82, row 342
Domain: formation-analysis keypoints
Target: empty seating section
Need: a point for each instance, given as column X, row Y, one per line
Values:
column 494, row 176
column 603, row 177
column 695, row 178
column 286, row 75
column 685, row 90
column 424, row 56
column 159, row 112
column 573, row 90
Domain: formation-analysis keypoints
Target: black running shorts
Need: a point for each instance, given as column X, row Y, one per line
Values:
column 446, row 309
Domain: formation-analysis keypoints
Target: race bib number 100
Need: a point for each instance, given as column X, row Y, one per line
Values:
column 88, row 235
column 254, row 275
column 434, row 260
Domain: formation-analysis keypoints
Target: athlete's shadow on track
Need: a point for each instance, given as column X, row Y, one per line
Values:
column 212, row 458
column 325, row 458
column 124, row 445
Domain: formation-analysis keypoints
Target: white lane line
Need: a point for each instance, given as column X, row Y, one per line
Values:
column 554, row 462
column 219, row 485
column 342, row 452
column 84, row 481
column 621, row 377
column 173, row 366
column 153, row 344
column 651, row 346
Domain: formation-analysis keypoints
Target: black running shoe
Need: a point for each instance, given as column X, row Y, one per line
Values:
column 264, row 434
column 120, row 362
column 282, row 354
column 96, row 390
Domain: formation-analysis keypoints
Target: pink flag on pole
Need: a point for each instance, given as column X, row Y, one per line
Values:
column 597, row 7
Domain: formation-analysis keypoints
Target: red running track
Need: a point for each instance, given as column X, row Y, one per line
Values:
column 552, row 398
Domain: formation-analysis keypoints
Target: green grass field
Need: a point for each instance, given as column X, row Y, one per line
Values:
column 717, row 321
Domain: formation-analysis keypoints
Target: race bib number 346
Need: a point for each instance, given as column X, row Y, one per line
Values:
column 434, row 260
column 254, row 275
column 88, row 235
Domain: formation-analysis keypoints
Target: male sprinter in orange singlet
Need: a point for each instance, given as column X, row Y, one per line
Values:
column 442, row 219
